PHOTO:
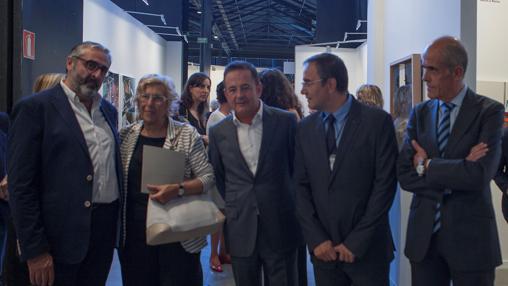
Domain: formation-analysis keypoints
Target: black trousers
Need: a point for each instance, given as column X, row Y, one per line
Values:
column 15, row 272
column 279, row 268
column 358, row 273
column 94, row 269
column 164, row 265
column 433, row 270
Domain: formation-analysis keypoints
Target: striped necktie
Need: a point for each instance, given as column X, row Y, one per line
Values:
column 443, row 132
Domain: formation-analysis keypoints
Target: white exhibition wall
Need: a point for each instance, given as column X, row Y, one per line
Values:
column 492, row 76
column 492, row 58
column 136, row 50
column 354, row 59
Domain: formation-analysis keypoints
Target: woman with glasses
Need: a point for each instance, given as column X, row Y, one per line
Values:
column 194, row 102
column 174, row 263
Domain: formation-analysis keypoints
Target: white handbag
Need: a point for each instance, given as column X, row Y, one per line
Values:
column 181, row 219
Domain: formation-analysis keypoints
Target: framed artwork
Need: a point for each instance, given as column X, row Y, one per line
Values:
column 405, row 91
column 129, row 104
column 110, row 89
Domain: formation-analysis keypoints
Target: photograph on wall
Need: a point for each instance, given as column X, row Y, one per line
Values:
column 129, row 104
column 110, row 89
column 405, row 92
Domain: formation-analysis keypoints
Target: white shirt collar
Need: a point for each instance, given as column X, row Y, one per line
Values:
column 257, row 118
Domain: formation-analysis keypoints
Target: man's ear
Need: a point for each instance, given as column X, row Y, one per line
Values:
column 331, row 84
column 68, row 63
column 459, row 73
column 259, row 88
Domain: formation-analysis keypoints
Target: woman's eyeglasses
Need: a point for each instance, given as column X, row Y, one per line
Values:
column 156, row 98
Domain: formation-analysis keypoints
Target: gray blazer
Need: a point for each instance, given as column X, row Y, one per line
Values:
column 266, row 197
column 468, row 225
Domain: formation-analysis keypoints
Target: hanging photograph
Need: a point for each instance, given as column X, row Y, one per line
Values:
column 405, row 91
column 110, row 89
column 129, row 104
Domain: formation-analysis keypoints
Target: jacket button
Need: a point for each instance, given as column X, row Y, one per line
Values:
column 87, row 204
column 89, row 178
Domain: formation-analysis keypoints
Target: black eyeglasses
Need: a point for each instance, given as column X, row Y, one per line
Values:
column 92, row 65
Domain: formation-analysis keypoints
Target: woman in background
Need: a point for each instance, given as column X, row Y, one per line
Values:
column 218, row 254
column 371, row 95
column 171, row 264
column 194, row 102
column 278, row 92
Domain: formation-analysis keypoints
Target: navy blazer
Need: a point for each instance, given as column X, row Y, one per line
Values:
column 268, row 195
column 49, row 167
column 468, row 225
column 348, row 204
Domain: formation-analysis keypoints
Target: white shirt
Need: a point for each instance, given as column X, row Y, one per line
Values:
column 214, row 118
column 101, row 146
column 249, row 138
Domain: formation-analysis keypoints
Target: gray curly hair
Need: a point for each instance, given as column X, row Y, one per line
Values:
column 161, row 80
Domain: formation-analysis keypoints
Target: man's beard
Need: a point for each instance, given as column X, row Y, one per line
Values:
column 88, row 87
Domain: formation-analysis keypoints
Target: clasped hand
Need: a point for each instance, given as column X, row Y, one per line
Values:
column 327, row 252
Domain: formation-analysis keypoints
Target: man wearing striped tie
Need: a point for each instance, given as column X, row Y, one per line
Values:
column 450, row 154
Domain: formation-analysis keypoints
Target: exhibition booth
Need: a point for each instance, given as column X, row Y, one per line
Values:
column 398, row 32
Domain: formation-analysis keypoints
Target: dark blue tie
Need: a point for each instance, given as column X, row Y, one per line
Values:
column 331, row 144
column 443, row 132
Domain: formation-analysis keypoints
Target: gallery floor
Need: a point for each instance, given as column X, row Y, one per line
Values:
column 225, row 278
column 210, row 278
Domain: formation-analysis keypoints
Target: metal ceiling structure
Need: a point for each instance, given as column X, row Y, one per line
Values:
column 267, row 29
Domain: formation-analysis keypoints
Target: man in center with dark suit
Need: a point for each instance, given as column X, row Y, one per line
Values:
column 252, row 151
column 449, row 156
column 345, row 175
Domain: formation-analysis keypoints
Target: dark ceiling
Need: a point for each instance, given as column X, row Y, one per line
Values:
column 255, row 28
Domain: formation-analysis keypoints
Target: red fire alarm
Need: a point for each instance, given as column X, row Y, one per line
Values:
column 28, row 45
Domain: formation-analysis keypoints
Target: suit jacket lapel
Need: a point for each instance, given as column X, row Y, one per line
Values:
column 231, row 134
column 318, row 142
column 347, row 138
column 467, row 113
column 269, row 129
column 431, row 121
column 111, row 122
column 63, row 107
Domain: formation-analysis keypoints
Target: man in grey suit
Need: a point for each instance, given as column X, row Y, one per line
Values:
column 450, row 154
column 252, row 151
column 345, row 174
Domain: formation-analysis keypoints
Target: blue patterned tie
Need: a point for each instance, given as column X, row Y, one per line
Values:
column 443, row 132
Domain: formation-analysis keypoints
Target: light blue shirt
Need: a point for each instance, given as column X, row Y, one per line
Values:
column 340, row 115
column 457, row 101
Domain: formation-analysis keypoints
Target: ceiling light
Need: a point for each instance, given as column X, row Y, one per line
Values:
column 216, row 37
column 146, row 2
column 199, row 12
column 149, row 14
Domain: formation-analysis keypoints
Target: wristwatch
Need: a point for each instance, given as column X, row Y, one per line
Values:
column 181, row 190
column 420, row 168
